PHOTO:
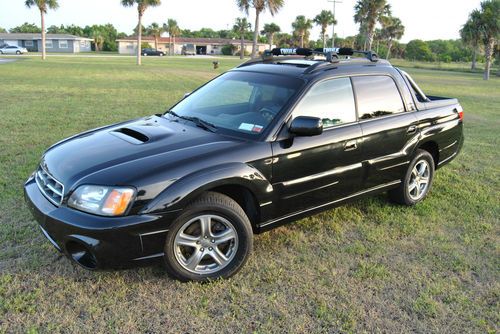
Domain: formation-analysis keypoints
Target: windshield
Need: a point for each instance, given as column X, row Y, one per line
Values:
column 240, row 102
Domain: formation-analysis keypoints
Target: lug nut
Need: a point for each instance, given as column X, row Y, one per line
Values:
column 202, row 249
column 210, row 248
column 198, row 242
column 213, row 241
column 206, row 237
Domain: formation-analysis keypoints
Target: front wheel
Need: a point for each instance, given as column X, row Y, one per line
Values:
column 145, row 54
column 417, row 181
column 211, row 239
column 18, row 52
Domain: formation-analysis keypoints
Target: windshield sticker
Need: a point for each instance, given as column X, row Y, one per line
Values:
column 251, row 127
column 246, row 126
column 257, row 128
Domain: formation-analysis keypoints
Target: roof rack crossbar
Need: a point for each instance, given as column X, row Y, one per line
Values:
column 331, row 55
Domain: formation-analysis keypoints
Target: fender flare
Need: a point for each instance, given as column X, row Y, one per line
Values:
column 182, row 191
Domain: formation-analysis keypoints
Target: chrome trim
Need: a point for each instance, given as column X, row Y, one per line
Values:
column 155, row 232
column 396, row 165
column 149, row 257
column 43, row 180
column 52, row 241
column 333, row 202
column 449, row 158
column 311, row 190
column 447, row 147
column 266, row 203
column 334, row 171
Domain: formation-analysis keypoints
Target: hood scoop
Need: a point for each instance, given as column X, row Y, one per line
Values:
column 131, row 135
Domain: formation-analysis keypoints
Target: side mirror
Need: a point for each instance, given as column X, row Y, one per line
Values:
column 186, row 95
column 306, row 126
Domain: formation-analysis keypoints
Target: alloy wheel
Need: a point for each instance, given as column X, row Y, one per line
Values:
column 419, row 180
column 206, row 244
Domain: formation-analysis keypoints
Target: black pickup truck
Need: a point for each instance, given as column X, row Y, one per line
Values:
column 273, row 140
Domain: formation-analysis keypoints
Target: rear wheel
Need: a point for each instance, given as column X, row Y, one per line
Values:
column 145, row 54
column 211, row 239
column 18, row 52
column 417, row 181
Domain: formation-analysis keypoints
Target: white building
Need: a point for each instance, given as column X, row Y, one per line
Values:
column 209, row 46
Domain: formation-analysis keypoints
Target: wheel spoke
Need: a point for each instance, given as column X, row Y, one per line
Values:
column 424, row 180
column 417, row 194
column 184, row 239
column 224, row 236
column 205, row 224
column 414, row 171
column 422, row 168
column 412, row 186
column 194, row 260
column 218, row 256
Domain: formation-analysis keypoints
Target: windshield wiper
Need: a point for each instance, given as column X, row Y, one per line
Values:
column 196, row 120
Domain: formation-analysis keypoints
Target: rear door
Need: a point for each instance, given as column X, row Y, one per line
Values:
column 389, row 131
column 310, row 171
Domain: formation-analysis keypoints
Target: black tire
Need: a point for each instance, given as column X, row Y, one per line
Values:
column 402, row 194
column 18, row 52
column 210, row 203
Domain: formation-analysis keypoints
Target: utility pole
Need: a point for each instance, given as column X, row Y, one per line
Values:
column 335, row 17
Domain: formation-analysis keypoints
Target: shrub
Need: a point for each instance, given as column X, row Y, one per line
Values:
column 418, row 50
column 228, row 49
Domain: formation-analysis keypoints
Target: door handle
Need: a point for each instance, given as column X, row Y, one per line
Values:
column 412, row 129
column 350, row 145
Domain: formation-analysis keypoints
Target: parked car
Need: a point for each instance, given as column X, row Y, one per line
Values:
column 152, row 52
column 12, row 49
column 189, row 50
column 264, row 144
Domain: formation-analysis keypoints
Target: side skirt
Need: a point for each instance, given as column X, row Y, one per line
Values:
column 265, row 226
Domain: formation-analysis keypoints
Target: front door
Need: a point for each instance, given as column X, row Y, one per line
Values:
column 311, row 171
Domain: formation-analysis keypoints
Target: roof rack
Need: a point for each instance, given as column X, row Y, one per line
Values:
column 331, row 55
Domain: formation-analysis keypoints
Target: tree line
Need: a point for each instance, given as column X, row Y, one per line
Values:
column 379, row 30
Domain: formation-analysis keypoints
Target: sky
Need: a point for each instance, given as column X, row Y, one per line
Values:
column 424, row 19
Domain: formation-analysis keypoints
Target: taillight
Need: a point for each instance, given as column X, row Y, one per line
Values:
column 461, row 115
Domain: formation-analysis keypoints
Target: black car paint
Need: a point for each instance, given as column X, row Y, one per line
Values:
column 276, row 177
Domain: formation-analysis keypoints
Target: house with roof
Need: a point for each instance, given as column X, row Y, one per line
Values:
column 63, row 43
column 203, row 46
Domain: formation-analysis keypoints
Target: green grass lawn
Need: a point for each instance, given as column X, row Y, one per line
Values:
column 370, row 266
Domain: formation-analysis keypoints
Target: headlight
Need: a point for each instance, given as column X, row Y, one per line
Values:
column 100, row 200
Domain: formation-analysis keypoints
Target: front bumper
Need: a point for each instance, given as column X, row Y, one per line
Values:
column 98, row 242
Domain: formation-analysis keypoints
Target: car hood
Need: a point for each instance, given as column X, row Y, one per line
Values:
column 143, row 146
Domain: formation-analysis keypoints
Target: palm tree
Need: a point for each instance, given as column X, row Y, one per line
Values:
column 270, row 29
column 489, row 26
column 43, row 6
column 260, row 6
column 324, row 19
column 241, row 27
column 367, row 14
column 98, row 37
column 155, row 30
column 392, row 29
column 142, row 5
column 173, row 30
column 471, row 35
column 301, row 27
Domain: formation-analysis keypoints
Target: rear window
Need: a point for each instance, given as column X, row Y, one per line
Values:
column 377, row 96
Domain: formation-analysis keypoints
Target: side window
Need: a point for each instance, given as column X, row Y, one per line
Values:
column 331, row 100
column 377, row 96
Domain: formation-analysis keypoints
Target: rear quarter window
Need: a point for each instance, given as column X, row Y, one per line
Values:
column 377, row 96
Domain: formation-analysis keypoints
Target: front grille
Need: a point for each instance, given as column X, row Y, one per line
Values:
column 50, row 187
